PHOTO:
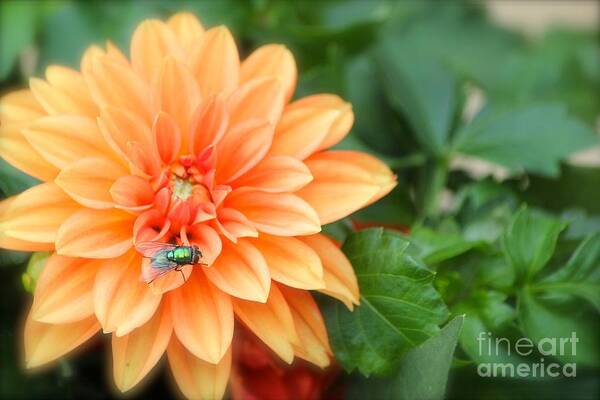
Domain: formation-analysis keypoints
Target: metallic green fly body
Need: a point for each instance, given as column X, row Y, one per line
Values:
column 166, row 257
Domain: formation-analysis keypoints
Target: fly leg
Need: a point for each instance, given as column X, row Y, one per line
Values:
column 182, row 274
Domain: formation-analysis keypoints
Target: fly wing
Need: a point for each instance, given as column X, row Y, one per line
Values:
column 151, row 249
column 158, row 265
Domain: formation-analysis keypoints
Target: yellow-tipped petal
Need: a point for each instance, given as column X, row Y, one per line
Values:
column 271, row 60
column 188, row 31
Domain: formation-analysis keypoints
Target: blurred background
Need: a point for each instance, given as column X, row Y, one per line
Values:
column 540, row 58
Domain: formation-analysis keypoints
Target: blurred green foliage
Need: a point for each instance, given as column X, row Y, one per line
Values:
column 411, row 70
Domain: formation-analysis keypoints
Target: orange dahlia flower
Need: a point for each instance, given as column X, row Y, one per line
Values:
column 182, row 143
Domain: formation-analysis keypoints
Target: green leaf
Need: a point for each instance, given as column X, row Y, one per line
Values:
column 529, row 241
column 13, row 181
column 17, row 29
column 423, row 372
column 533, row 137
column 434, row 246
column 399, row 306
column 581, row 276
column 423, row 91
column 543, row 320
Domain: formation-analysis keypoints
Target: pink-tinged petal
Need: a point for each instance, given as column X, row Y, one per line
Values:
column 17, row 151
column 379, row 172
column 338, row 189
column 178, row 94
column 62, row 139
column 88, row 181
column 207, row 240
column 272, row 322
column 271, row 60
column 291, row 262
column 314, row 344
column 64, row 290
column 260, row 98
column 339, row 277
column 233, row 224
column 216, row 62
column 187, row 29
column 121, row 301
column 278, row 214
column 197, row 307
column 342, row 124
column 135, row 354
column 242, row 148
column 47, row 342
column 131, row 191
column 36, row 214
column 301, row 131
column 113, row 84
column 208, row 124
column 195, row 378
column 276, row 174
column 167, row 137
column 95, row 234
column 150, row 226
column 151, row 42
column 20, row 106
column 241, row 271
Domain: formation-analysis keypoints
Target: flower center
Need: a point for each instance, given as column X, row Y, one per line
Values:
column 182, row 188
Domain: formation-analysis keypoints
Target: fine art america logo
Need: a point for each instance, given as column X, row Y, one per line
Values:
column 537, row 366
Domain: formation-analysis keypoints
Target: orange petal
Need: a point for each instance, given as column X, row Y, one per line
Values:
column 271, row 60
column 198, row 379
column 261, row 98
column 276, row 174
column 7, row 242
column 62, row 139
column 241, row 271
column 88, row 181
column 339, row 277
column 380, row 173
column 150, row 226
column 216, row 63
column 20, row 106
column 178, row 94
column 113, row 84
column 198, row 307
column 208, row 125
column 135, row 354
column 279, row 214
column 168, row 281
column 291, row 262
column 151, row 42
column 314, row 344
column 120, row 127
column 47, row 342
column 167, row 137
column 121, row 301
column 242, row 148
column 234, row 225
column 301, row 130
column 338, row 189
column 17, row 151
column 95, row 234
column 187, row 29
column 207, row 240
column 36, row 214
column 342, row 124
column 132, row 191
column 271, row 322
column 64, row 291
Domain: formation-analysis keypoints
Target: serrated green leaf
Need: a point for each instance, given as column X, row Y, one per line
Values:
column 434, row 246
column 533, row 137
column 399, row 306
column 580, row 277
column 529, row 241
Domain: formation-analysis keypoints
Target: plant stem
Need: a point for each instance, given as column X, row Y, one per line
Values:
column 433, row 183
